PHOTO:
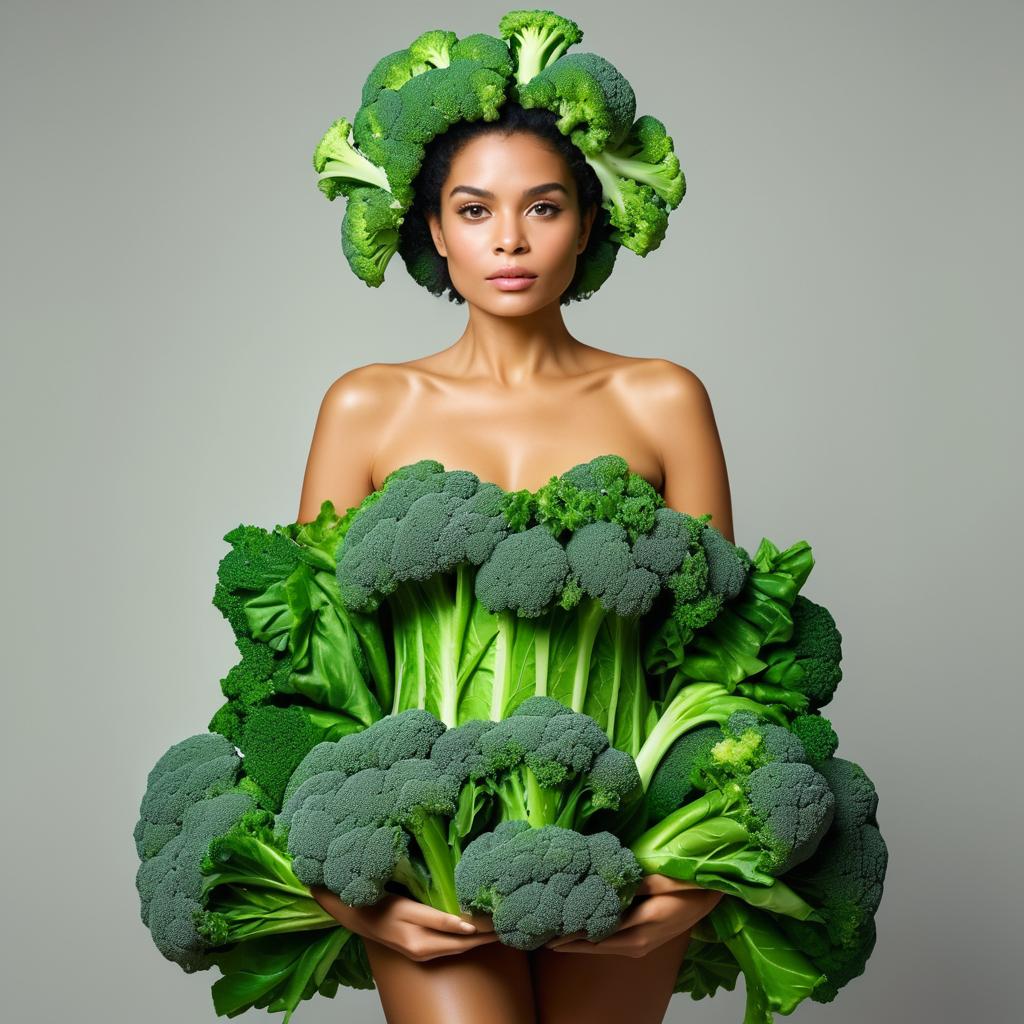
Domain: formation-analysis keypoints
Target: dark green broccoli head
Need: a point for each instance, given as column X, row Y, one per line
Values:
column 325, row 808
column 426, row 521
column 817, row 736
column 728, row 564
column 458, row 753
column 525, row 573
column 613, row 779
column 809, row 662
column 542, row 882
column 843, row 881
column 601, row 559
column 190, row 771
column 170, row 883
column 680, row 773
column 410, row 733
column 258, row 558
column 790, row 809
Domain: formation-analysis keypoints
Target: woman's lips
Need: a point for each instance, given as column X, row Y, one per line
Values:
column 512, row 284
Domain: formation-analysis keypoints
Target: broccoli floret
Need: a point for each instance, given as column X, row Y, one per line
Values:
column 341, row 168
column 603, row 489
column 763, row 811
column 369, row 232
column 488, row 51
column 170, row 883
column 809, row 662
column 595, row 103
column 542, row 882
column 602, row 561
column 190, row 771
column 433, row 47
column 408, row 734
column 525, row 573
column 391, row 72
column 843, row 881
column 275, row 740
column 536, row 39
column 258, row 558
column 354, row 833
column 645, row 156
column 817, row 736
column 536, row 765
column 679, row 774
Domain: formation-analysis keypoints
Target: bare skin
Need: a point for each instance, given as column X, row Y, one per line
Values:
column 518, row 399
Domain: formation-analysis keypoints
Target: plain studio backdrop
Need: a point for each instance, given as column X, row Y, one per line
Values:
column 843, row 274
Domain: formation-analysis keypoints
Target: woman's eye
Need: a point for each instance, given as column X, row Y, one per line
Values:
column 477, row 206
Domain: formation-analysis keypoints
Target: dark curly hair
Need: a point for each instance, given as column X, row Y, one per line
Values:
column 416, row 246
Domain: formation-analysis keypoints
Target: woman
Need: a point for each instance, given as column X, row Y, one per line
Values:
column 517, row 399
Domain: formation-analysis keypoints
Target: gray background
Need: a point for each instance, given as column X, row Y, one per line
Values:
column 843, row 275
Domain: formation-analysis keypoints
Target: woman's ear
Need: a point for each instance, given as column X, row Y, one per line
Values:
column 586, row 224
column 434, row 224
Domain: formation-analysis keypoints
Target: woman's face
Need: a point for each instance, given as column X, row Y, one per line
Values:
column 510, row 200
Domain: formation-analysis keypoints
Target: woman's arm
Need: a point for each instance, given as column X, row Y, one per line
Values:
column 344, row 442
column 681, row 424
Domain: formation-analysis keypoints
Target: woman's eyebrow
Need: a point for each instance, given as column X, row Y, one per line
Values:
column 551, row 186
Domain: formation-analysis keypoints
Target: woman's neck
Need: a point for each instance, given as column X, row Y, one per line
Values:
column 513, row 351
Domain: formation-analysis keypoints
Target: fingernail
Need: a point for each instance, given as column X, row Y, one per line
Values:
column 467, row 927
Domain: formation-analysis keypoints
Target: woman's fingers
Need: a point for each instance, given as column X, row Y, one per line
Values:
column 438, row 920
column 652, row 885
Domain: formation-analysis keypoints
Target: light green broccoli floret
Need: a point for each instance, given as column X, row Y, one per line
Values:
column 536, row 39
column 595, row 103
column 645, row 156
column 488, row 51
column 341, row 167
column 369, row 232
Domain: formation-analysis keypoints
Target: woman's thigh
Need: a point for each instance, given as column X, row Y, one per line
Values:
column 601, row 988
column 489, row 983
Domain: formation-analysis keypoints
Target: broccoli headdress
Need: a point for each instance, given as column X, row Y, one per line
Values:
column 413, row 95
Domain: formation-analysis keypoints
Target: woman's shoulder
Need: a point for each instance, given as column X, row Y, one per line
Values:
column 370, row 387
column 655, row 380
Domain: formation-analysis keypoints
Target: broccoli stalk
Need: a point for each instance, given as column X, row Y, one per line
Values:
column 537, row 39
column 694, row 705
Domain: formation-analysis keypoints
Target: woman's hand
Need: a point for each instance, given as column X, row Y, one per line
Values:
column 668, row 909
column 412, row 928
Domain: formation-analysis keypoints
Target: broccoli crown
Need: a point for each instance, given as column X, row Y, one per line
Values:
column 170, row 883
column 536, row 39
column 426, row 521
column 595, row 103
column 790, row 809
column 369, row 232
column 613, row 779
column 843, row 881
column 408, row 734
column 728, row 564
column 258, row 558
column 554, row 746
column 603, row 489
column 809, row 662
column 458, row 752
column 602, row 561
column 542, row 882
column 275, row 740
column 383, row 805
column 189, row 772
column 681, row 770
column 525, row 573
column 817, row 736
